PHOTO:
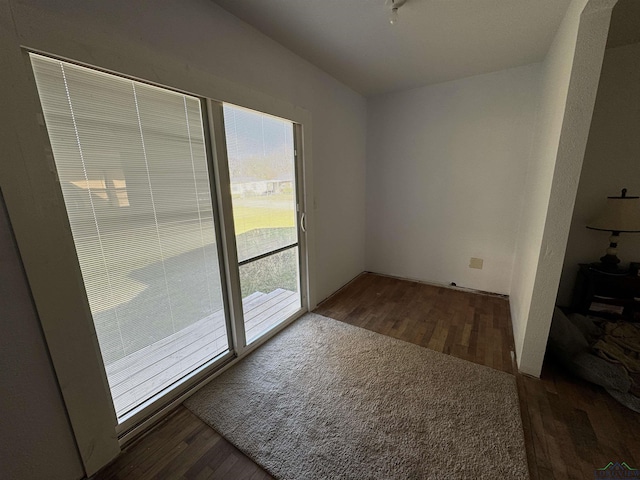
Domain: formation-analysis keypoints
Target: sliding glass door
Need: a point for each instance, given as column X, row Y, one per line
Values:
column 135, row 176
column 262, row 170
column 132, row 166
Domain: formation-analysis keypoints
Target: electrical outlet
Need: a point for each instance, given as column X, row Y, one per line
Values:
column 476, row 263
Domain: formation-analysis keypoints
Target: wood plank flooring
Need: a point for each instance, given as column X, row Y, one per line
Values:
column 466, row 325
column 182, row 447
column 571, row 427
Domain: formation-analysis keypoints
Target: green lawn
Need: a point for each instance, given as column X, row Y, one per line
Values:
column 271, row 211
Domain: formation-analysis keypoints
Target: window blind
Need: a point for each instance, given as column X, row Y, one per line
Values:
column 131, row 162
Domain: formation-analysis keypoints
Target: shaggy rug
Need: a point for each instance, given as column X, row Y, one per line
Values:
column 324, row 399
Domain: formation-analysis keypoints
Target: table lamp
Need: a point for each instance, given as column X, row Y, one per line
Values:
column 619, row 215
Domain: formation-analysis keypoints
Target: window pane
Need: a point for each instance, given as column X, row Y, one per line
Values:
column 261, row 157
column 132, row 166
column 262, row 171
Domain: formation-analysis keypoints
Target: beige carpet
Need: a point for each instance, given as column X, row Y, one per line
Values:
column 327, row 400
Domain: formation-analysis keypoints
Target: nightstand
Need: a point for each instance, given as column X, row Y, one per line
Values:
column 612, row 295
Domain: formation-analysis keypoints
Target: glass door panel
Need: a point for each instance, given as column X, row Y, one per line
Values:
column 262, row 169
column 132, row 166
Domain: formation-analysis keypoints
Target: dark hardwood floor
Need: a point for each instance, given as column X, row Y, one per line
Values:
column 466, row 325
column 182, row 447
column 570, row 426
column 573, row 427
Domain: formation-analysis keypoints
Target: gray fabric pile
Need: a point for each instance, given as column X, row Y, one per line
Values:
column 569, row 342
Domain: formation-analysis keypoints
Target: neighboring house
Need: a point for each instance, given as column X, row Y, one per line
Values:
column 246, row 186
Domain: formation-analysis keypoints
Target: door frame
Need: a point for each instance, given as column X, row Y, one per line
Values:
column 220, row 165
column 225, row 200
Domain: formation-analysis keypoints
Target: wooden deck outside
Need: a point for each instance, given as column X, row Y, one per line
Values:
column 145, row 373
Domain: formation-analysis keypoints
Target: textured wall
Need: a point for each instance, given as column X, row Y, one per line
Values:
column 36, row 440
column 445, row 172
column 570, row 79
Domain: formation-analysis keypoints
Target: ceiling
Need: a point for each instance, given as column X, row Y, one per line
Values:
column 434, row 40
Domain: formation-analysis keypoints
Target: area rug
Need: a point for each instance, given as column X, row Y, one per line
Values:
column 327, row 400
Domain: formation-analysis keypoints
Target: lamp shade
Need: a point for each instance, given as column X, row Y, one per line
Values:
column 620, row 214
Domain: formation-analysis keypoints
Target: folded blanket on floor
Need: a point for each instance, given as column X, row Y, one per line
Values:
column 620, row 345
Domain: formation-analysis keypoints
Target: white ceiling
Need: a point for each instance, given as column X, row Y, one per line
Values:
column 434, row 41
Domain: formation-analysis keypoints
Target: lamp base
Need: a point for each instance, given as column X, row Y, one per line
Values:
column 609, row 263
column 610, row 260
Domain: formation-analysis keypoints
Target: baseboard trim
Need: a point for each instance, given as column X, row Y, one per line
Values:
column 442, row 285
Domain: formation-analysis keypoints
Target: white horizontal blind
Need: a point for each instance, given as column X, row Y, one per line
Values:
column 132, row 167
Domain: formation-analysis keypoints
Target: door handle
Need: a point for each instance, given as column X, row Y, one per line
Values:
column 303, row 222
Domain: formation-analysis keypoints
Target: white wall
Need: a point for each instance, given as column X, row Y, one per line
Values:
column 570, row 77
column 446, row 167
column 37, row 441
column 150, row 38
column 611, row 162
column 195, row 46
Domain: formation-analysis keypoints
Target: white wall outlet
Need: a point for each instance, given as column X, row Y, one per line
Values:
column 476, row 263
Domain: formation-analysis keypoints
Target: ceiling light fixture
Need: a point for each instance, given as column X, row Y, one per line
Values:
column 395, row 5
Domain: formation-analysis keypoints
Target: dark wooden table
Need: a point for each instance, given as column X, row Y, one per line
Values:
column 613, row 295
